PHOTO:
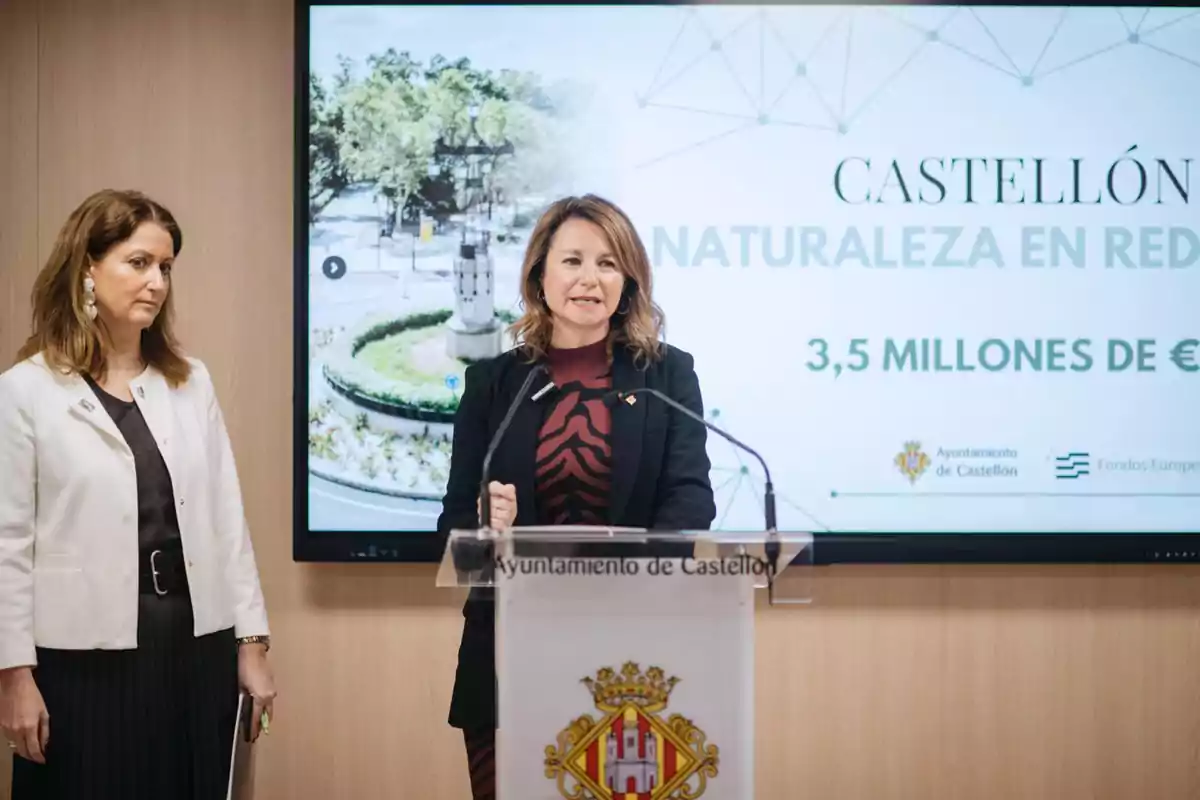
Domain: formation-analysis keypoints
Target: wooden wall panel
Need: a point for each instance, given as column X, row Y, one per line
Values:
column 18, row 186
column 1039, row 683
column 18, row 169
column 1023, row 683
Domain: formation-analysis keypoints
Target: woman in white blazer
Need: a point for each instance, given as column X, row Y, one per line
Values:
column 130, row 608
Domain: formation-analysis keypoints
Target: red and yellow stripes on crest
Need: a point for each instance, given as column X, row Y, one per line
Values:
column 669, row 760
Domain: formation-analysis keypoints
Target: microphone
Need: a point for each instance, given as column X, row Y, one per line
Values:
column 485, row 505
column 473, row 555
column 772, row 543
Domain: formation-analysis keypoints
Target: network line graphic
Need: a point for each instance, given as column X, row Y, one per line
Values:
column 736, row 477
column 763, row 67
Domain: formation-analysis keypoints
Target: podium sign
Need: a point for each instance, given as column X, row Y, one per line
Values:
column 624, row 659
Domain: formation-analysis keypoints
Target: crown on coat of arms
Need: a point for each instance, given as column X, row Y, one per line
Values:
column 649, row 690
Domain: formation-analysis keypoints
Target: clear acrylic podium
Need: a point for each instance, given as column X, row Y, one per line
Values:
column 625, row 657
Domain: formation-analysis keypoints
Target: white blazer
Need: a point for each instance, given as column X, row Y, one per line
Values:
column 69, row 512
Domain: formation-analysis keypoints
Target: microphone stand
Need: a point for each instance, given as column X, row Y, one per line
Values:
column 485, row 506
column 772, row 545
column 477, row 555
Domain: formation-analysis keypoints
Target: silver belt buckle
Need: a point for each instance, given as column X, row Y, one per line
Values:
column 158, row 590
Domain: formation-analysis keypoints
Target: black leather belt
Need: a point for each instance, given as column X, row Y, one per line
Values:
column 161, row 572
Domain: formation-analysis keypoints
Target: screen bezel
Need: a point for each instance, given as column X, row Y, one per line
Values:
column 829, row 548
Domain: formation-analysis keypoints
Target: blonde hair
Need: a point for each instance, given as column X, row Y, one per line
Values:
column 62, row 332
column 638, row 323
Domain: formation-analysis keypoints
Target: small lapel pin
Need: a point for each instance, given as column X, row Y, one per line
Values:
column 141, row 392
column 87, row 406
column 630, row 399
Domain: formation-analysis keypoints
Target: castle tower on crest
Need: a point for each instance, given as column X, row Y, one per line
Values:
column 631, row 756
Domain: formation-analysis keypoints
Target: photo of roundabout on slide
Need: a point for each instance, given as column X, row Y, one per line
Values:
column 389, row 347
column 381, row 425
column 425, row 180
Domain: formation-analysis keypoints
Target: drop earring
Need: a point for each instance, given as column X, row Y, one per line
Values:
column 89, row 297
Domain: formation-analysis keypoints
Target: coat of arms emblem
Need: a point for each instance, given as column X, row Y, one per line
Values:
column 631, row 751
column 912, row 462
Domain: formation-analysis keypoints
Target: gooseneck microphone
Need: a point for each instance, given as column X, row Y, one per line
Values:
column 472, row 555
column 485, row 505
column 772, row 544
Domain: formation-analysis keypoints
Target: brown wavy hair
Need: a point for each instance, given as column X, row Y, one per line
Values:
column 638, row 322
column 62, row 332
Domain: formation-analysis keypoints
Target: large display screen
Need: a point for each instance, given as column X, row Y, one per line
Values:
column 940, row 265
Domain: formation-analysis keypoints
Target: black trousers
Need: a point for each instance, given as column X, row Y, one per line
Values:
column 481, row 762
column 146, row 724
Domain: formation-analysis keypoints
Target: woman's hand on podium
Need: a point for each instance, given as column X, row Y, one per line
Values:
column 504, row 504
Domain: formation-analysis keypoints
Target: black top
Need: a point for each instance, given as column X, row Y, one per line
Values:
column 158, row 524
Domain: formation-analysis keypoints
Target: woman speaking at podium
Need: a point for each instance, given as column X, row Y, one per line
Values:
column 571, row 457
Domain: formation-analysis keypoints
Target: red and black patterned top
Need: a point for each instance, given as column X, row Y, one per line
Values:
column 574, row 457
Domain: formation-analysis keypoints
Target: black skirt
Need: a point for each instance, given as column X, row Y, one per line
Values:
column 473, row 701
column 146, row 724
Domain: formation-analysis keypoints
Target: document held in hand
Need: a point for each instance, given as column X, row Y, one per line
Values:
column 240, row 751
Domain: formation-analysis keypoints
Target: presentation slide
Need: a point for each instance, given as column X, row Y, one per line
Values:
column 939, row 265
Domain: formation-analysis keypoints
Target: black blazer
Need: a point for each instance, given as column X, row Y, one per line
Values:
column 660, row 478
